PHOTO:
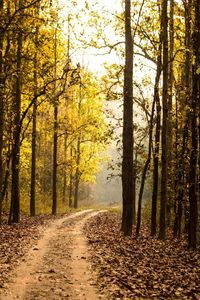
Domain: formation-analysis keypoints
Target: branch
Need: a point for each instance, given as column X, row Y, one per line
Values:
column 16, row 12
column 139, row 15
column 145, row 53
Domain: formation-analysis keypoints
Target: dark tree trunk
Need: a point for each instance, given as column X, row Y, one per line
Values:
column 127, row 162
column 177, row 176
column 170, row 194
column 15, row 194
column 145, row 169
column 55, row 150
column 157, row 145
column 181, row 193
column 33, row 162
column 6, row 65
column 7, row 172
column 178, row 173
column 164, row 169
column 193, row 197
column 55, row 132
column 1, row 108
column 34, row 132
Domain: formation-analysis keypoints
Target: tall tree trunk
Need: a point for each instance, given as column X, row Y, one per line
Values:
column 66, row 134
column 164, row 158
column 6, row 66
column 145, row 169
column 198, row 122
column 177, row 177
column 15, row 194
column 169, row 204
column 127, row 161
column 55, row 132
column 157, row 144
column 181, row 181
column 34, row 130
column 55, row 150
column 193, row 197
column 1, row 108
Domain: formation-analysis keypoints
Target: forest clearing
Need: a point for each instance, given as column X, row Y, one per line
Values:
column 99, row 149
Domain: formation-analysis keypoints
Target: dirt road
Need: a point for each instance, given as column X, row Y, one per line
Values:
column 56, row 267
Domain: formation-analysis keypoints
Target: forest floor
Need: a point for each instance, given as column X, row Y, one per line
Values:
column 84, row 256
column 142, row 268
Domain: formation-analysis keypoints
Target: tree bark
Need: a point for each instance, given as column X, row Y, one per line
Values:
column 55, row 132
column 157, row 145
column 15, row 193
column 127, row 161
column 181, row 181
column 55, row 150
column 193, row 185
column 1, row 108
column 170, row 194
column 164, row 168
column 34, row 131
column 177, row 177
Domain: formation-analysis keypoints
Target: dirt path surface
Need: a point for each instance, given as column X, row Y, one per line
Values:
column 57, row 267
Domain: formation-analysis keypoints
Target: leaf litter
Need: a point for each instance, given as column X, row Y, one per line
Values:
column 16, row 240
column 142, row 268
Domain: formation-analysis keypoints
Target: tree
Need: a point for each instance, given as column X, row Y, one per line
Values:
column 182, row 163
column 78, row 145
column 15, row 193
column 164, row 158
column 193, row 188
column 1, row 106
column 157, row 144
column 170, row 183
column 28, row 97
column 127, row 160
column 55, row 130
column 34, row 123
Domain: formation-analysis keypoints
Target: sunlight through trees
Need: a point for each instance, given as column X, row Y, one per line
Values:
column 62, row 67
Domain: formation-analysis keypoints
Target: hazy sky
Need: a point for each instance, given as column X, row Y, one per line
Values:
column 90, row 57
